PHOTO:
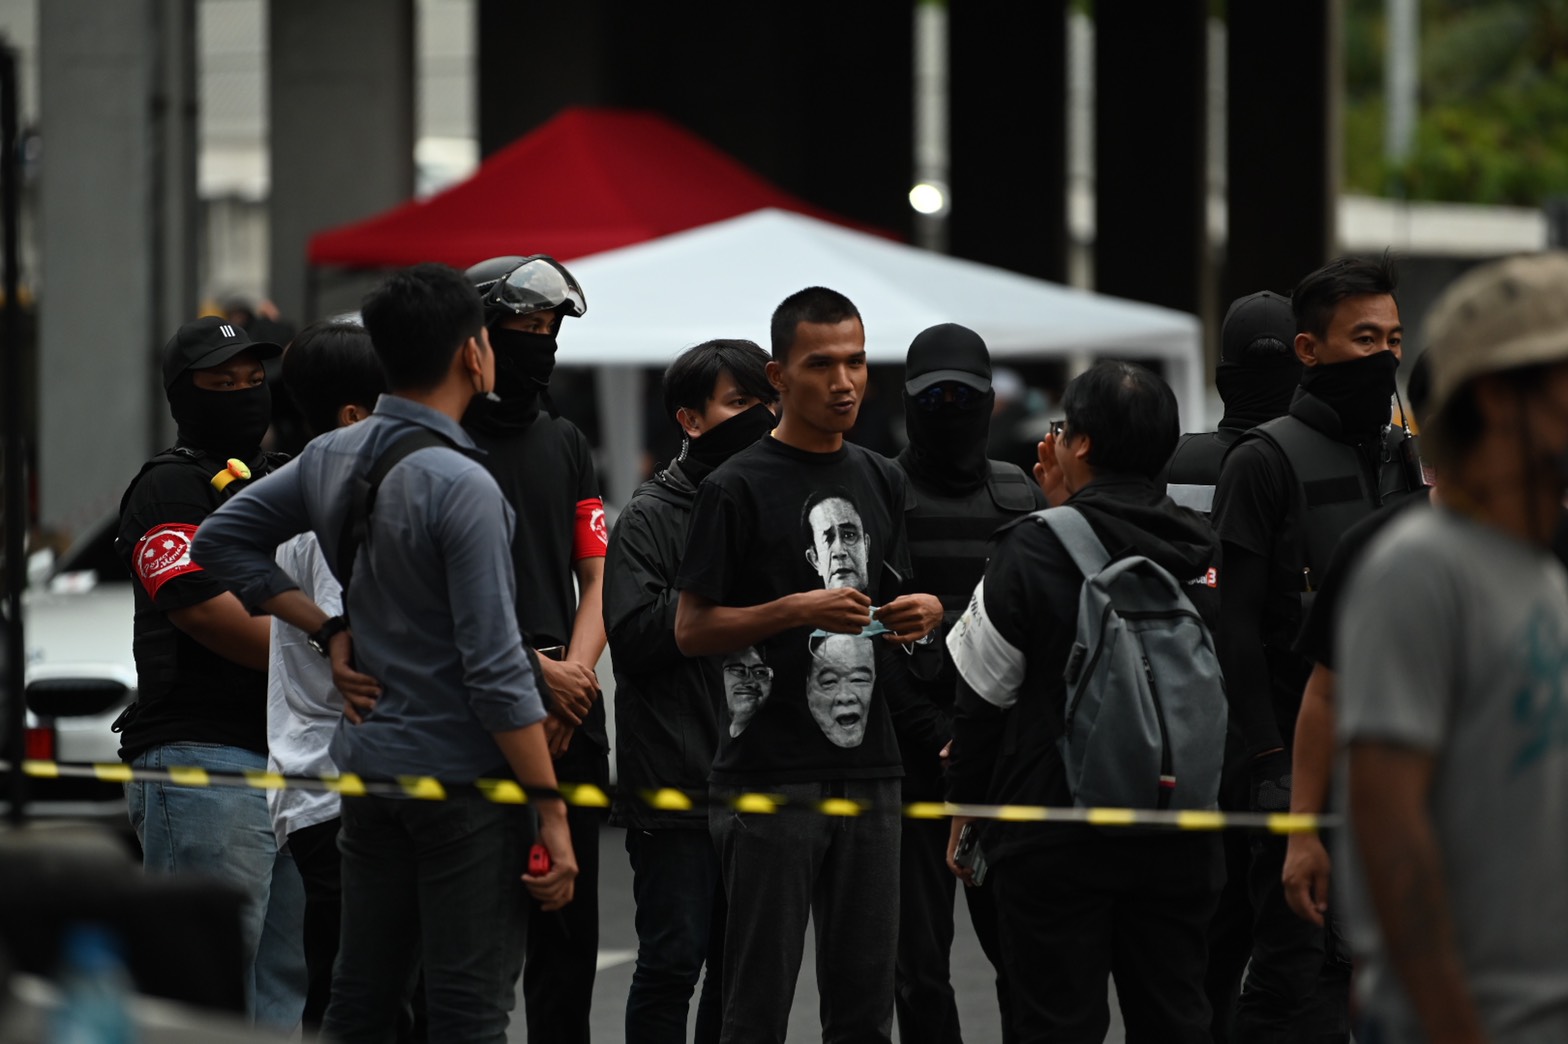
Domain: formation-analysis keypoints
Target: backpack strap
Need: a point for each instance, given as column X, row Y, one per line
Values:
column 362, row 501
column 1076, row 535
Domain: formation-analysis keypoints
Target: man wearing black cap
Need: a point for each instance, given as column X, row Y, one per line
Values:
column 957, row 501
column 201, row 659
column 1256, row 377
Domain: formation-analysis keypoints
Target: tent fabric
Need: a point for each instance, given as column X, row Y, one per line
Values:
column 587, row 181
column 649, row 301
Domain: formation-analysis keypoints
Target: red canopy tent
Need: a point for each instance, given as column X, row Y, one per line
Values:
column 589, row 180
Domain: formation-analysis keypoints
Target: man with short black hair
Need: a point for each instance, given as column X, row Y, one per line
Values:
column 1288, row 491
column 1075, row 905
column 669, row 711
column 334, row 378
column 1451, row 706
column 750, row 576
column 201, row 660
column 957, row 501
column 447, row 692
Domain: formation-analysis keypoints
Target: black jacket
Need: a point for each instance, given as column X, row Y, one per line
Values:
column 1031, row 592
column 668, row 707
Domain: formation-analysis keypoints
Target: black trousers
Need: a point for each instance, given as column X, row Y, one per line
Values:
column 1135, row 908
column 315, row 851
column 563, row 945
column 923, row 993
column 1230, row 932
column 1297, row 989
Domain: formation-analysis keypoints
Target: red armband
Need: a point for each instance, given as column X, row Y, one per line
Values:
column 162, row 554
column 592, row 539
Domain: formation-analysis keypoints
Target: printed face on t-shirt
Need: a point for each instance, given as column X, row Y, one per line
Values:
column 839, row 546
column 748, row 682
column 838, row 687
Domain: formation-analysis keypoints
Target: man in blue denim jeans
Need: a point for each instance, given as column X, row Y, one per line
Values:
column 201, row 660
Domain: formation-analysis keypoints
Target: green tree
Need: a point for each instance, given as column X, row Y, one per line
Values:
column 1493, row 125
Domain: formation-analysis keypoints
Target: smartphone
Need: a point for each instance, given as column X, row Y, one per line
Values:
column 538, row 860
column 969, row 854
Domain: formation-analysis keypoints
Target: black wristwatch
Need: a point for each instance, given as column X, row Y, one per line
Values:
column 321, row 641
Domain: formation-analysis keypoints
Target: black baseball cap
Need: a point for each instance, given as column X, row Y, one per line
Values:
column 1263, row 314
column 947, row 352
column 207, row 342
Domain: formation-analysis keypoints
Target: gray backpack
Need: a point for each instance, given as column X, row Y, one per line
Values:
column 1146, row 710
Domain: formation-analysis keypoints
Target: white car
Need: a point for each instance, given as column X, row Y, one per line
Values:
column 81, row 673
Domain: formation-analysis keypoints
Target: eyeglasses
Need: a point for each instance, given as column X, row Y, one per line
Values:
column 1056, row 428
column 756, row 672
column 948, row 392
column 536, row 284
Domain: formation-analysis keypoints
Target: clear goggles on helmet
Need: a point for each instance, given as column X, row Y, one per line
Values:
column 538, row 283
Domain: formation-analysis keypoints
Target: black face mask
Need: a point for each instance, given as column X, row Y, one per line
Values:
column 1254, row 394
column 1361, row 391
column 523, row 362
column 224, row 423
column 947, row 445
column 728, row 437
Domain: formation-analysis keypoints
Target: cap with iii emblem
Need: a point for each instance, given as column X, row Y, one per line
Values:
column 207, row 342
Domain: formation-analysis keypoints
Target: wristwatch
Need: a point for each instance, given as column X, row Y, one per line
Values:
column 321, row 641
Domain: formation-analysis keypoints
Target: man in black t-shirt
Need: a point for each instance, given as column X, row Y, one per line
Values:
column 793, row 545
column 201, row 660
column 544, row 467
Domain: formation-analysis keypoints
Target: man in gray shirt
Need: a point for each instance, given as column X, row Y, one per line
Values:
column 446, row 689
column 1454, row 691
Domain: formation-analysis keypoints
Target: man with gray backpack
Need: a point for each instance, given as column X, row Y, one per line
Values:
column 1088, row 677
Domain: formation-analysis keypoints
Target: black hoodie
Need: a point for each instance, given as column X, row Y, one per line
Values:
column 1030, row 595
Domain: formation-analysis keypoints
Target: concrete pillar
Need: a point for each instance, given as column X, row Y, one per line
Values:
column 1150, row 157
column 1007, row 123
column 117, row 268
column 1282, row 152
column 341, row 105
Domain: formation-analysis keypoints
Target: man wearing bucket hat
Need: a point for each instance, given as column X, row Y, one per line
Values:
column 1452, row 709
column 201, row 659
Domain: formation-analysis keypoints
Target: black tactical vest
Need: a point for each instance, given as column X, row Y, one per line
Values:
column 1335, row 485
column 1194, row 468
column 950, row 537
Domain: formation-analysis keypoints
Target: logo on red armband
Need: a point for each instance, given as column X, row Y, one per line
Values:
column 592, row 539
column 163, row 554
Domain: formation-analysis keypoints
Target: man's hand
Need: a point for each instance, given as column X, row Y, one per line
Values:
column 963, row 873
column 1306, row 877
column 842, row 610
column 554, row 889
column 911, row 617
column 557, row 735
column 1048, row 473
column 575, row 688
column 359, row 691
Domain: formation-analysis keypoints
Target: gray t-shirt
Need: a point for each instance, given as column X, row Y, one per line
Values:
column 1454, row 640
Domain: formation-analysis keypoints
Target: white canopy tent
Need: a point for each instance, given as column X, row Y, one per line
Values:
column 649, row 301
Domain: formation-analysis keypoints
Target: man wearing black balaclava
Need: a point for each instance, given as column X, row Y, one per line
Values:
column 1257, row 376
column 545, row 469
column 201, row 660
column 958, row 499
column 1288, row 490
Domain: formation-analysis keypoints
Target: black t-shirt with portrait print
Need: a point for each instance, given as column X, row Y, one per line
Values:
column 775, row 520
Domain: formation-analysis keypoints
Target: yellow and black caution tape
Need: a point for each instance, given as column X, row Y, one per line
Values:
column 669, row 799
